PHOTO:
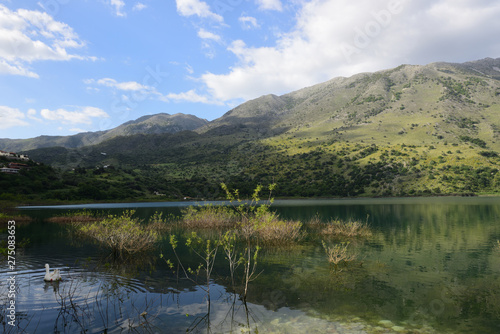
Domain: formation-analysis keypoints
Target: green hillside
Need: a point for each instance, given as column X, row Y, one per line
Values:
column 412, row 130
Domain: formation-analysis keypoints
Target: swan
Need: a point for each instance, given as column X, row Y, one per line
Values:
column 54, row 276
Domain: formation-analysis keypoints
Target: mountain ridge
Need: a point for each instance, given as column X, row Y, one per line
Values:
column 148, row 124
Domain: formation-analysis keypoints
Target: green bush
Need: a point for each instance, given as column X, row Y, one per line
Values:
column 489, row 154
column 209, row 216
column 477, row 141
column 122, row 233
column 347, row 229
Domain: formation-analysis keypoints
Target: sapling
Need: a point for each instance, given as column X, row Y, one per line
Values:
column 206, row 250
column 228, row 243
column 250, row 264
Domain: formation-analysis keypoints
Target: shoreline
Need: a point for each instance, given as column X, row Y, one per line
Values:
column 176, row 203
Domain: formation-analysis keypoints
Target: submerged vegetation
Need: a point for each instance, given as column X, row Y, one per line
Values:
column 5, row 218
column 349, row 229
column 123, row 234
column 257, row 221
column 262, row 226
column 209, row 217
column 250, row 220
column 83, row 216
column 338, row 253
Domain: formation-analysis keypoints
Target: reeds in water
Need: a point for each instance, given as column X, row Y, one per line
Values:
column 122, row 233
column 84, row 216
column 209, row 217
column 270, row 229
column 348, row 229
column 262, row 225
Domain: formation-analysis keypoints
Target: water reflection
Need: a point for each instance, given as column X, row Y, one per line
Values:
column 431, row 266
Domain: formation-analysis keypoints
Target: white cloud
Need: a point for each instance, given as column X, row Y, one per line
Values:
column 127, row 85
column 32, row 115
column 460, row 15
column 334, row 38
column 139, row 6
column 198, row 8
column 456, row 30
column 270, row 5
column 11, row 117
column 80, row 115
column 248, row 22
column 77, row 130
column 27, row 36
column 15, row 68
column 202, row 33
column 135, row 90
column 208, row 39
column 190, row 96
column 118, row 6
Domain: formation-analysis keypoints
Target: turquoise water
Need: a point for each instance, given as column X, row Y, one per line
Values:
column 431, row 266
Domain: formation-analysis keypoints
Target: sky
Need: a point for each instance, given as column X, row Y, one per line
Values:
column 70, row 66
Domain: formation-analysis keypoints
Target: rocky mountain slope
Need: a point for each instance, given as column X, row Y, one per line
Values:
column 441, row 96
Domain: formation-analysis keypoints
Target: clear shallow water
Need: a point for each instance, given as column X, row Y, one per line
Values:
column 431, row 267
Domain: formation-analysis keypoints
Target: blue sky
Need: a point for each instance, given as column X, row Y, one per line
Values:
column 69, row 66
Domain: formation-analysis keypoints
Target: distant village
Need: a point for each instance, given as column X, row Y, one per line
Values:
column 13, row 167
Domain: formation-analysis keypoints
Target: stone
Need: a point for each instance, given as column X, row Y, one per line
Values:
column 386, row 323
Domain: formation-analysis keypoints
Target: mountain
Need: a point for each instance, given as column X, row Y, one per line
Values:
column 410, row 130
column 362, row 105
column 156, row 124
column 151, row 124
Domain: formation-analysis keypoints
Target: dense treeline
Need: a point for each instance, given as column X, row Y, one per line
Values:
column 354, row 170
column 42, row 182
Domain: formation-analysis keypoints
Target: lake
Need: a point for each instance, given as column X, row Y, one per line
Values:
column 432, row 265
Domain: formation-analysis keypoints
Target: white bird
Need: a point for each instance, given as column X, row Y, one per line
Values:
column 50, row 277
